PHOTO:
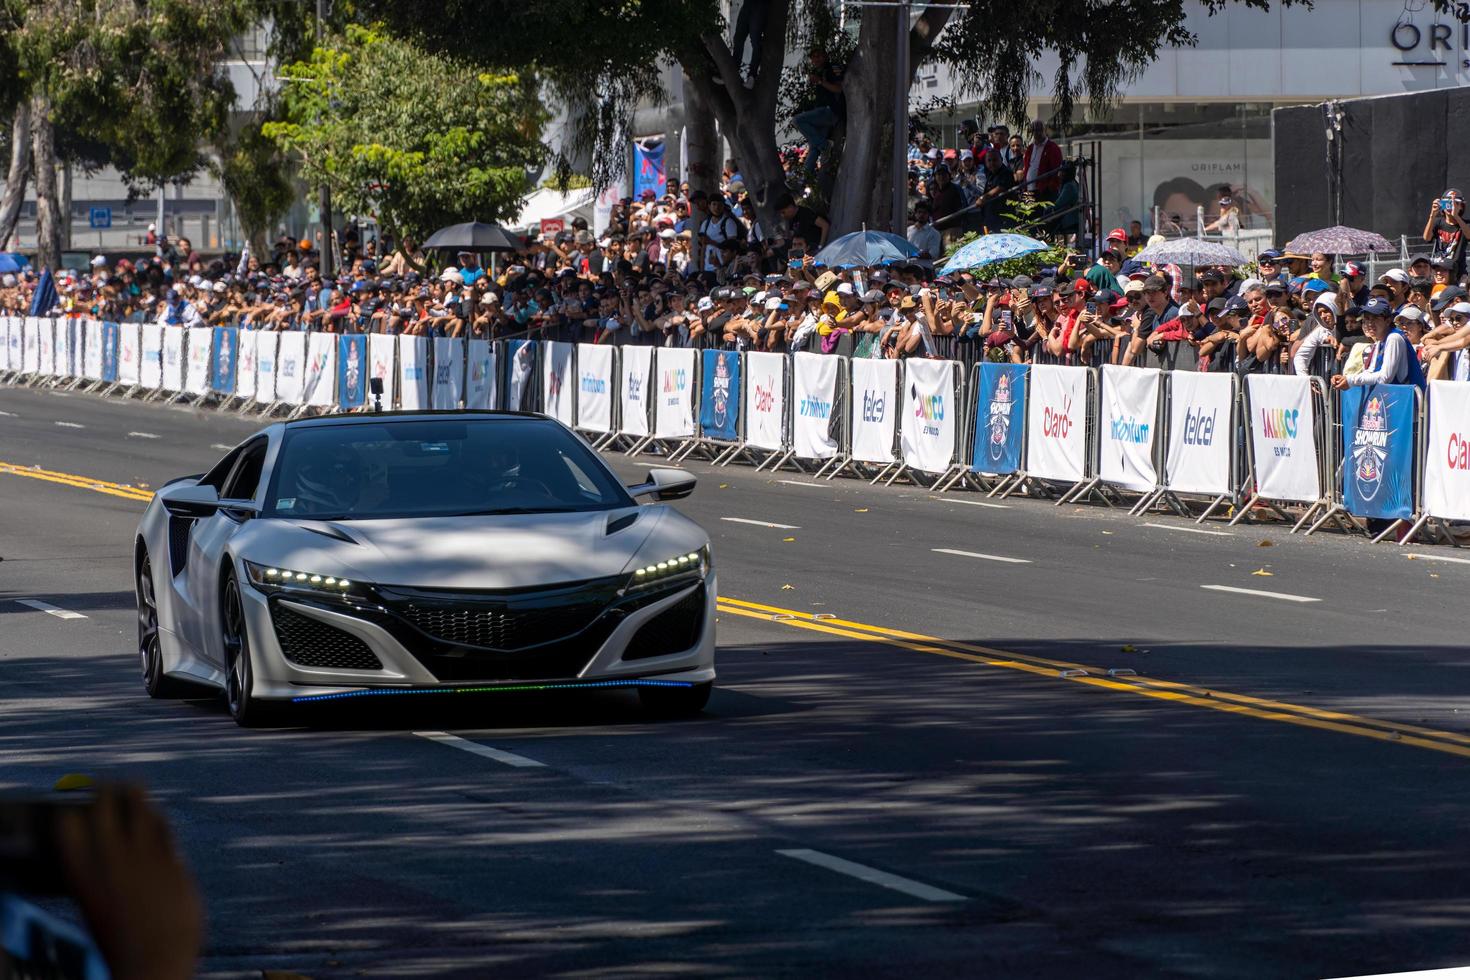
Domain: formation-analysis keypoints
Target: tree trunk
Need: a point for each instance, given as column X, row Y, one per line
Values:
column 48, row 207
column 701, row 142
column 65, row 211
column 16, row 176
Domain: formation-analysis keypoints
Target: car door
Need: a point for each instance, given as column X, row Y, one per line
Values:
column 207, row 541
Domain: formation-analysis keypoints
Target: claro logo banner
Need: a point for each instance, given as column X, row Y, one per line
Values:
column 1056, row 423
column 1447, row 463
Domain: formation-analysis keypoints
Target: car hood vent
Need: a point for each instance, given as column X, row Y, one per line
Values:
column 327, row 530
column 621, row 522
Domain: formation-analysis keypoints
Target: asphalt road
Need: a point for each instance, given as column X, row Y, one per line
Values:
column 1083, row 760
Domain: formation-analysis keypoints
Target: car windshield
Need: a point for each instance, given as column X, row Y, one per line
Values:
column 437, row 468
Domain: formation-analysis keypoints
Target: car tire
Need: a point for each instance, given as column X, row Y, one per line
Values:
column 150, row 651
column 675, row 702
column 247, row 710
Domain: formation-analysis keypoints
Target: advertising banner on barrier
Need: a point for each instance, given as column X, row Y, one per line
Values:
column 110, row 339
column 1447, row 459
column 62, row 349
column 321, row 370
column 814, row 389
column 30, row 329
column 765, row 400
column 92, row 350
column 76, row 330
column 413, row 372
column 352, row 370
column 46, row 362
column 673, row 412
column 719, row 395
column 224, row 358
column 596, row 367
column 173, row 359
column 5, row 343
column 872, row 411
column 382, row 363
column 1056, row 423
column 1283, row 437
column 248, row 358
column 1000, row 419
column 637, row 374
column 291, row 367
column 267, row 351
column 1130, row 427
column 1378, row 441
column 130, row 353
column 1197, row 458
column 448, row 373
column 558, row 391
column 13, row 343
column 519, row 376
column 479, row 392
column 150, row 366
column 928, row 436
column 197, row 364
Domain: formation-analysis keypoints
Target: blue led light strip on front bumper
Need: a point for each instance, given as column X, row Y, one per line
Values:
column 494, row 688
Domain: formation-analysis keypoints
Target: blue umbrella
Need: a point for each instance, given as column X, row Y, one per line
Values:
column 44, row 300
column 12, row 262
column 992, row 248
column 864, row 248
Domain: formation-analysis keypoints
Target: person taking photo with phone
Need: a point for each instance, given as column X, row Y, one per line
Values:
column 1446, row 228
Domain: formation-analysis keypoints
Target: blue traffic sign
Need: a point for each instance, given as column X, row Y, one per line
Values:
column 100, row 217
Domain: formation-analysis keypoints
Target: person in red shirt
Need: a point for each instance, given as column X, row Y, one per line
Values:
column 1039, row 165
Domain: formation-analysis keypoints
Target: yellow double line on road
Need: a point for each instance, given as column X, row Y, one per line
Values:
column 1265, row 709
column 80, row 482
column 1189, row 694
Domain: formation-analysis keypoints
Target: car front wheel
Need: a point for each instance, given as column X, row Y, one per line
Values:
column 675, row 702
column 150, row 653
column 245, row 708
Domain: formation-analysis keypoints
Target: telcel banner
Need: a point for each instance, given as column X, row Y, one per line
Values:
column 129, row 353
column 382, row 361
column 1200, row 430
column 596, row 369
column 291, row 367
column 636, row 390
column 1283, row 437
column 196, row 367
column 1000, row 418
column 814, row 390
column 558, row 393
column 927, row 436
column 150, row 372
column 765, row 400
column 352, row 370
column 448, row 372
column 1056, row 423
column 321, row 370
column 1447, row 465
column 1130, row 424
column 872, row 409
column 267, row 356
column 1378, row 450
column 479, row 392
column 250, row 344
column 673, row 412
column 413, row 372
column 719, row 396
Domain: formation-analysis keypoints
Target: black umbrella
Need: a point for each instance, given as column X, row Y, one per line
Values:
column 472, row 236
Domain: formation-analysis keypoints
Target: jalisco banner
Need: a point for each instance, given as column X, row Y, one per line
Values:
column 1130, row 427
column 245, row 373
column 872, row 410
column 558, row 387
column 382, row 363
column 1197, row 459
column 927, row 435
column 765, row 401
column 1000, row 419
column 1447, row 454
column 1378, row 437
column 673, row 409
column 1283, row 437
column 636, row 390
column 597, row 368
column 1056, row 423
column 815, row 385
column 719, row 395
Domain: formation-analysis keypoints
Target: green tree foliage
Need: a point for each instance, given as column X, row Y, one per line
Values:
column 418, row 139
column 253, row 172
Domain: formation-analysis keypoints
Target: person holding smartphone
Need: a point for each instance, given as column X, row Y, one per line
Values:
column 1446, row 228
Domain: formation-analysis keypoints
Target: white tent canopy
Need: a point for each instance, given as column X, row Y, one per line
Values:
column 548, row 203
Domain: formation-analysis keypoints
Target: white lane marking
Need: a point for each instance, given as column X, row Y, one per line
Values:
column 143, row 435
column 220, row 446
column 973, row 503
column 475, row 748
column 46, row 607
column 1258, row 592
column 71, row 425
column 10, row 415
column 1191, row 530
column 872, row 875
column 1424, row 557
column 976, row 554
column 801, row 483
column 746, row 520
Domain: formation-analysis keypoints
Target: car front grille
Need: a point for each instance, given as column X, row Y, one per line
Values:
column 509, row 621
column 310, row 642
column 674, row 630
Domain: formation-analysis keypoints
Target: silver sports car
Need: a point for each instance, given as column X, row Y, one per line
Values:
column 406, row 553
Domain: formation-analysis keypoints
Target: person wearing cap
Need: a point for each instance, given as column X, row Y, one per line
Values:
column 1320, row 334
column 1226, row 321
column 1157, row 307
column 1103, row 274
column 1393, row 360
column 469, row 268
column 1446, row 228
column 1440, row 271
column 1397, row 281
column 1447, row 346
column 1269, row 266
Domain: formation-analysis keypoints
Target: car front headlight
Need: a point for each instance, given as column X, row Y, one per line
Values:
column 690, row 566
column 274, row 578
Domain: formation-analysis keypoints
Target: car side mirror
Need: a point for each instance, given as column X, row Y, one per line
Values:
column 196, row 501
column 665, row 483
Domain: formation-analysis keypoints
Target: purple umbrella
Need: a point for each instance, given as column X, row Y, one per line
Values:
column 1339, row 240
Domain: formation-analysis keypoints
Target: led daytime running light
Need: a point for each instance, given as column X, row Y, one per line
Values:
column 271, row 577
column 679, row 564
